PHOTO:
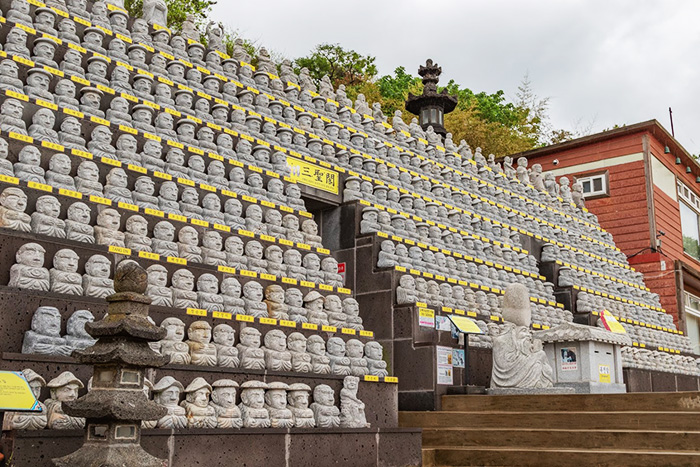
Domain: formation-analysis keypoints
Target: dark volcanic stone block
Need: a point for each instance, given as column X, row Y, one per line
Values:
column 251, row 447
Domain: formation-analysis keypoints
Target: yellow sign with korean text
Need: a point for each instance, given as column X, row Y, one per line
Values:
column 15, row 393
column 313, row 175
column 465, row 325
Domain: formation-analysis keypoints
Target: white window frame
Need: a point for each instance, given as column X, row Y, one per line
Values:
column 687, row 195
column 689, row 308
column 605, row 191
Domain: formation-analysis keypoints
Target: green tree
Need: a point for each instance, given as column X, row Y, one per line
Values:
column 177, row 10
column 342, row 66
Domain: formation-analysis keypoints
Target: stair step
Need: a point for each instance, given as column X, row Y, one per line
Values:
column 541, row 457
column 635, row 402
column 643, row 421
column 564, row 438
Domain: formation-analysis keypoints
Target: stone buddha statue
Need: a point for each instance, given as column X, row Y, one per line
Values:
column 78, row 226
column 166, row 393
column 252, row 407
column 327, row 415
column 163, row 236
column 107, row 229
column 172, row 345
column 59, row 173
column 223, row 401
column 277, row 357
column 76, row 335
column 29, row 272
column 518, row 360
column 202, row 351
column 28, row 167
column 64, row 275
column 96, row 281
column 13, row 203
column 224, row 340
column 157, row 289
column 208, row 293
column 251, row 355
column 63, row 388
column 42, row 125
column 184, row 295
column 44, row 337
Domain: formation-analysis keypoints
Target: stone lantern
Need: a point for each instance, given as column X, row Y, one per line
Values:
column 116, row 404
column 432, row 105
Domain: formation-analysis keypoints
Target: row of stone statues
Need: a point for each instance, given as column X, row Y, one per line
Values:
column 411, row 290
column 654, row 360
column 44, row 337
column 446, row 263
column 215, row 347
column 618, row 274
column 263, row 405
column 65, row 172
column 214, row 249
column 29, row 272
column 249, row 299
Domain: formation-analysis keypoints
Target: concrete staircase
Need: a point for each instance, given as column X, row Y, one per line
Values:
column 639, row 429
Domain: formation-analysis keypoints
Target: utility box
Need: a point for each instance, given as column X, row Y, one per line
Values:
column 586, row 358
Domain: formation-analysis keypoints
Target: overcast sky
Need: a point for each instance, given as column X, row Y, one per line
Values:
column 600, row 62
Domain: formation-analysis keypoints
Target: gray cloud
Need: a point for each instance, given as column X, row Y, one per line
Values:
column 610, row 62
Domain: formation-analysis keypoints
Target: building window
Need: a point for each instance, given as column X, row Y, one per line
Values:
column 687, row 195
column 692, row 320
column 594, row 185
column 690, row 223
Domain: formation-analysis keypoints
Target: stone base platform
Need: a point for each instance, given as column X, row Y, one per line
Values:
column 638, row 380
column 529, row 391
column 597, row 388
column 386, row 447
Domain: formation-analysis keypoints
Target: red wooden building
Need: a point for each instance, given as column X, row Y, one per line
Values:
column 645, row 189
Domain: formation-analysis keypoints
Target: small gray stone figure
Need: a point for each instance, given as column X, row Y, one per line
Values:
column 96, row 281
column 157, row 289
column 252, row 407
column 76, row 335
column 166, row 392
column 277, row 357
column 276, row 405
column 298, row 403
column 172, row 344
column 78, row 226
column 327, row 415
column 251, row 355
column 64, row 275
column 44, row 337
column 184, row 295
column 223, row 401
column 196, row 404
column 13, row 203
column 226, row 352
column 63, row 388
column 28, row 271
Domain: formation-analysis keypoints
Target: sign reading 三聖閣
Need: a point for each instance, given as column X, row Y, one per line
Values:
column 313, row 175
column 15, row 393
